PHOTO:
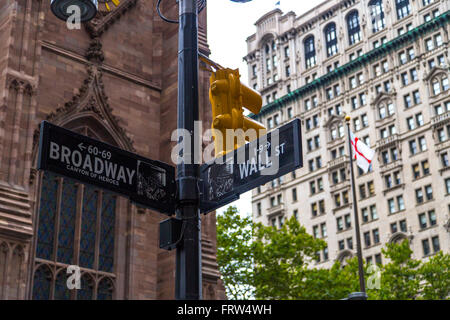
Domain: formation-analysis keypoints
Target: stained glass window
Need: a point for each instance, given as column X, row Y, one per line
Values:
column 42, row 283
column 87, row 288
column 47, row 215
column 67, row 222
column 61, row 290
column 106, row 256
column 76, row 223
column 105, row 289
column 88, row 227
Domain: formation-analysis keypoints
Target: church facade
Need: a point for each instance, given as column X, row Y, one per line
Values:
column 115, row 80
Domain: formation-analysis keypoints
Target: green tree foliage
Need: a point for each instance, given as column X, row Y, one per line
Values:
column 400, row 278
column 268, row 263
column 281, row 259
column 436, row 277
column 234, row 254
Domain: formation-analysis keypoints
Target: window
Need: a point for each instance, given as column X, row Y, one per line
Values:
column 258, row 209
column 429, row 44
column 423, row 144
column 310, row 52
column 362, row 99
column 435, row 242
column 373, row 212
column 445, row 160
column 408, row 101
column 348, row 221
column 307, row 105
column 377, row 15
column 276, row 119
column 288, row 71
column 331, row 39
column 367, row 241
column 323, row 229
column 426, row 247
column 419, row 196
column 286, row 52
column 312, row 187
column 429, row 192
column 403, row 8
column 290, row 113
column 413, row 147
column 93, row 213
column 350, row 243
column 405, row 80
column 354, row 28
column 403, row 58
column 254, row 70
column 376, row 236
column 416, row 97
column 402, row 225
column 436, row 86
column 414, row 75
column 294, row 195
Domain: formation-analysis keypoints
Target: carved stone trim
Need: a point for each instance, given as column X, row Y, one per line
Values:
column 97, row 26
column 91, row 100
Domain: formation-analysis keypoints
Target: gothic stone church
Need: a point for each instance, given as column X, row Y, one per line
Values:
column 115, row 79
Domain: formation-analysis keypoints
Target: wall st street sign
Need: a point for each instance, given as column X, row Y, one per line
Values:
column 256, row 163
column 147, row 182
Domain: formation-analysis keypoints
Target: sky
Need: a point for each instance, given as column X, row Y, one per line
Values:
column 229, row 25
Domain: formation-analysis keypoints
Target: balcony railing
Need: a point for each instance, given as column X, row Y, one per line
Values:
column 441, row 119
column 276, row 210
column 387, row 142
column 337, row 162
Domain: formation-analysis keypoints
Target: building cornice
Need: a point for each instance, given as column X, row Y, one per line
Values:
column 357, row 64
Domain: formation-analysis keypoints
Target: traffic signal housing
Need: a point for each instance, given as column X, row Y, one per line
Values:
column 228, row 98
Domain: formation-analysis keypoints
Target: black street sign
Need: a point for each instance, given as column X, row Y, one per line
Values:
column 265, row 159
column 147, row 182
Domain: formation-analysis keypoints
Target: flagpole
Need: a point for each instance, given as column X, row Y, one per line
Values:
column 362, row 286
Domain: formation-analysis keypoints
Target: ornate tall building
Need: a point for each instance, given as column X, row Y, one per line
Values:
column 115, row 79
column 386, row 64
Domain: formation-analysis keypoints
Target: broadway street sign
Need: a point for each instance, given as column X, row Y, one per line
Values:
column 147, row 182
column 256, row 163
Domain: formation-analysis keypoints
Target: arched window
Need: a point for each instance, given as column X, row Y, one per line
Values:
column 354, row 28
column 42, row 281
column 331, row 39
column 87, row 288
column 403, row 8
column 439, row 84
column 67, row 209
column 377, row 15
column 310, row 52
column 105, row 289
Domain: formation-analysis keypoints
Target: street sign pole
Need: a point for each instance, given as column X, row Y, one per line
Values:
column 188, row 282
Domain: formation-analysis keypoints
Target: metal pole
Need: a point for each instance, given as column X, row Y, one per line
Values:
column 362, row 285
column 188, row 261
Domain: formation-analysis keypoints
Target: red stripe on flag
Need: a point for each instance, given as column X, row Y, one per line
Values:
column 357, row 151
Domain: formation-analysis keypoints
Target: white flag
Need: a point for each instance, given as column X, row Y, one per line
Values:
column 361, row 153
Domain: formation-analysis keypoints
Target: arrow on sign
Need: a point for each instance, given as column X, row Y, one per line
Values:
column 81, row 146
